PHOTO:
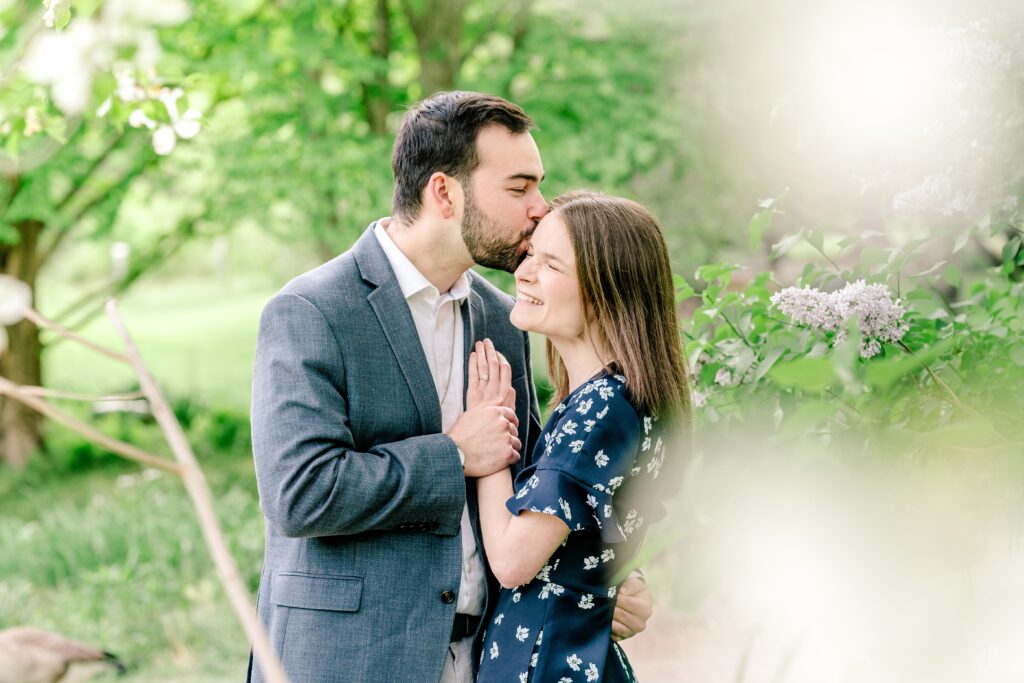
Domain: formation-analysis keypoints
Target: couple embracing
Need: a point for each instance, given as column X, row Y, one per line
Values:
column 421, row 525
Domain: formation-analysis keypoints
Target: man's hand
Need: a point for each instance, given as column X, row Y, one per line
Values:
column 633, row 609
column 488, row 431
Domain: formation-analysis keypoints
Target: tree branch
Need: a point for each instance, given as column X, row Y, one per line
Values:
column 202, row 498
column 125, row 450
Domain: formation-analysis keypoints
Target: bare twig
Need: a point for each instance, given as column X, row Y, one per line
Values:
column 935, row 378
column 40, row 321
column 125, row 450
column 199, row 491
column 43, row 392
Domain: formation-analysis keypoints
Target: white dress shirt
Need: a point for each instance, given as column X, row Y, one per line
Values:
column 438, row 319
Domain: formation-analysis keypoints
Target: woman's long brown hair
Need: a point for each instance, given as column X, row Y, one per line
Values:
column 628, row 299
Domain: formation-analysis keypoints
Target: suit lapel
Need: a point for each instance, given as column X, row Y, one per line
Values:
column 474, row 329
column 395, row 318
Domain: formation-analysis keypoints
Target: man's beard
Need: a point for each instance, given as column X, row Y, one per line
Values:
column 480, row 234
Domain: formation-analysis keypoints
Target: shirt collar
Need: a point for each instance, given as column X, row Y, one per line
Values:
column 410, row 279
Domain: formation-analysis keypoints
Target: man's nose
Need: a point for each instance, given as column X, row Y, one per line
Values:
column 539, row 208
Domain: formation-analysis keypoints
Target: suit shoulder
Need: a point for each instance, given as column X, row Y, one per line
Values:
column 328, row 284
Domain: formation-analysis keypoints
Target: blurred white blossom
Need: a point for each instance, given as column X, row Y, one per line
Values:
column 52, row 7
column 67, row 61
column 15, row 299
column 878, row 317
column 935, row 193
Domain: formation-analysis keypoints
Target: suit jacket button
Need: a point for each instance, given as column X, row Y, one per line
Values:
column 448, row 597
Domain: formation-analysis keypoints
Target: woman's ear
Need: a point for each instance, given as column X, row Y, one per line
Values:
column 445, row 194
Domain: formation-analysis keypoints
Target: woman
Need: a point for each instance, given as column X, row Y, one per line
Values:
column 597, row 282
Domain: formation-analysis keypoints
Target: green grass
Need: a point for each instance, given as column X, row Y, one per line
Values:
column 115, row 557
column 198, row 338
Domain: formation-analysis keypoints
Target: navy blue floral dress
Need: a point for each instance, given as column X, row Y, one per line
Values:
column 595, row 454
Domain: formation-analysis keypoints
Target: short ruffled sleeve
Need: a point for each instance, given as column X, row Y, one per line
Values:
column 589, row 450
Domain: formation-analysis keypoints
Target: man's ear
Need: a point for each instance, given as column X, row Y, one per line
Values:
column 444, row 193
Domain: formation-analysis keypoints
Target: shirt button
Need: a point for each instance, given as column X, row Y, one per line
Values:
column 448, row 597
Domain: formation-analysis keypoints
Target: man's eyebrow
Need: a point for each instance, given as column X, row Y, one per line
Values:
column 526, row 176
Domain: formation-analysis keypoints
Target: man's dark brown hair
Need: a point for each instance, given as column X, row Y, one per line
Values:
column 439, row 135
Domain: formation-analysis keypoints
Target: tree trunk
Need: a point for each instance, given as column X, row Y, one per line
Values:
column 20, row 426
column 437, row 25
column 376, row 91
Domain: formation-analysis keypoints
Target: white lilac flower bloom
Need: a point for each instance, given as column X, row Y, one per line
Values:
column 879, row 318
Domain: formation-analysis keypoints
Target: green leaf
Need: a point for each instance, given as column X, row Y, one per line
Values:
column 882, row 374
column 810, row 374
column 961, row 240
column 929, row 271
column 62, row 18
column 8, row 235
column 1017, row 354
column 1010, row 250
column 761, row 221
column 683, row 288
column 767, row 363
column 952, row 276
column 713, row 271
column 786, row 243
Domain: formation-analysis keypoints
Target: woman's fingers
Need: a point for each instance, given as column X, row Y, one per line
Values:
column 472, row 388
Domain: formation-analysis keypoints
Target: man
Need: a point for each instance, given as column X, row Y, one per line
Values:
column 374, row 569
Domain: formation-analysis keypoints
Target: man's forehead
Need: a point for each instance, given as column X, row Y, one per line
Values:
column 509, row 155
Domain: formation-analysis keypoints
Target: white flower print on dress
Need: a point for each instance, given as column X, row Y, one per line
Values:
column 612, row 590
column 604, row 411
column 590, row 562
column 601, row 459
column 607, row 511
column 565, row 508
column 647, row 425
column 533, row 659
column 569, row 427
column 494, row 650
column 517, row 596
column 498, row 619
column 551, row 589
column 615, row 483
column 588, row 425
column 576, row 446
column 564, row 679
column 523, row 676
column 522, row 633
column 573, row 661
column 606, row 392
column 592, row 674
column 607, row 555
column 646, row 446
column 586, row 602
column 584, row 407
column 591, row 500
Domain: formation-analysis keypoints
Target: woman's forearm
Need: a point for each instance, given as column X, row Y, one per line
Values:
column 492, row 492
column 517, row 546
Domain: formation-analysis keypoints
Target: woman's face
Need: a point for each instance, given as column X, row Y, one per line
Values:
column 547, row 289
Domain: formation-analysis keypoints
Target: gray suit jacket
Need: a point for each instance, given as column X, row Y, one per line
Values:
column 362, row 494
